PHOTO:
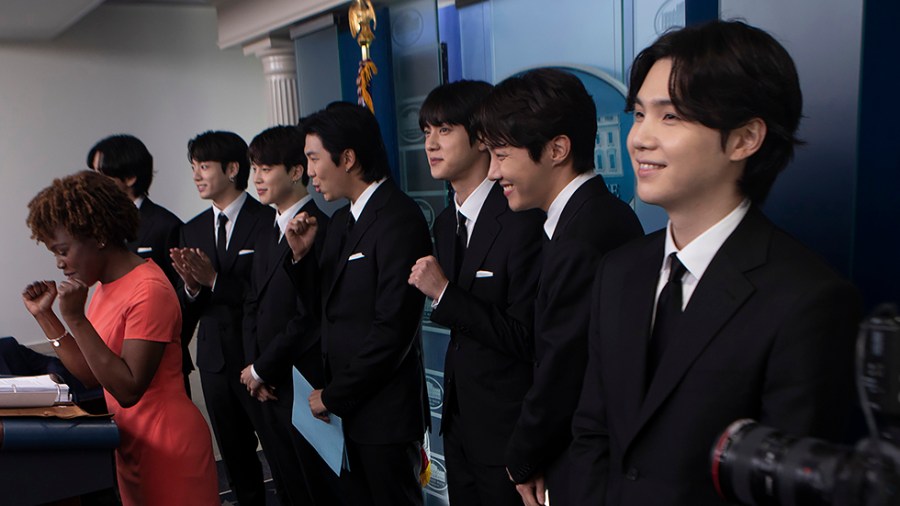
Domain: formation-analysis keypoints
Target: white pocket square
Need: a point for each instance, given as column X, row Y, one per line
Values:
column 144, row 249
column 355, row 256
column 484, row 274
column 245, row 252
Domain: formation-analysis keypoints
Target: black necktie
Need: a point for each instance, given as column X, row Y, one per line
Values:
column 276, row 233
column 462, row 239
column 668, row 313
column 222, row 237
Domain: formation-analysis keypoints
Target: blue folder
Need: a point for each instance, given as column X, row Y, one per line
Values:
column 326, row 438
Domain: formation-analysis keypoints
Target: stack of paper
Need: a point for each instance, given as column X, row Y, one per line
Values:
column 32, row 391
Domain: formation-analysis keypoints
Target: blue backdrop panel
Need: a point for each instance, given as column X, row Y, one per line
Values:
column 382, row 84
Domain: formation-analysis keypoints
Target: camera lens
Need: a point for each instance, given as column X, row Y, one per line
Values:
column 753, row 464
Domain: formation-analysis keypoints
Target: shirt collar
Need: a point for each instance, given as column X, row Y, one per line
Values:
column 232, row 210
column 698, row 254
column 559, row 203
column 282, row 219
column 473, row 204
column 138, row 201
column 357, row 207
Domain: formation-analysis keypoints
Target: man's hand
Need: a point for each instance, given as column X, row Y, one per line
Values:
column 301, row 235
column 257, row 389
column 198, row 266
column 179, row 263
column 532, row 491
column 318, row 407
column 427, row 276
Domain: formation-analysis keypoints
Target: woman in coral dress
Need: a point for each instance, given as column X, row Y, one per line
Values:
column 128, row 342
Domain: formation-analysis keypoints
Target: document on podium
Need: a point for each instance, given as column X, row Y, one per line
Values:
column 326, row 438
column 31, row 391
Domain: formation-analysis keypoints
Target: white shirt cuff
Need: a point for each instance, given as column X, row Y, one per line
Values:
column 435, row 302
column 255, row 376
column 191, row 296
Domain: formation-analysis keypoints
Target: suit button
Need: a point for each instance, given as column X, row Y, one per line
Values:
column 632, row 474
column 456, row 346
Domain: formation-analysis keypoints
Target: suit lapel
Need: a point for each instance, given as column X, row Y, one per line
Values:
column 366, row 219
column 722, row 290
column 445, row 239
column 630, row 339
column 206, row 237
column 246, row 221
column 589, row 189
column 487, row 228
column 145, row 225
column 276, row 252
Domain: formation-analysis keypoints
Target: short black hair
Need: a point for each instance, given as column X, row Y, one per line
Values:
column 724, row 74
column 222, row 147
column 123, row 156
column 529, row 110
column 342, row 126
column 454, row 104
column 280, row 145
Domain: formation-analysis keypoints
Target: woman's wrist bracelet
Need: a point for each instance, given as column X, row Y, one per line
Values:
column 58, row 339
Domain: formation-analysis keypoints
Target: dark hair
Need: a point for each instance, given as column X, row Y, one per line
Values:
column 454, row 104
column 529, row 110
column 342, row 126
column 725, row 73
column 222, row 147
column 123, row 156
column 87, row 205
column 280, row 145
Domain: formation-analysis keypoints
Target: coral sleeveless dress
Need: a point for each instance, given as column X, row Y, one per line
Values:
column 165, row 457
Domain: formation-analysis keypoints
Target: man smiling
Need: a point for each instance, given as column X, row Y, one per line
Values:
column 483, row 283
column 214, row 263
column 540, row 128
column 721, row 315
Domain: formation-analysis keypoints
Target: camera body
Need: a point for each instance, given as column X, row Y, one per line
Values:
column 757, row 465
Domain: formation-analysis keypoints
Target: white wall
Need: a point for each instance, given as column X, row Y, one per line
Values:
column 152, row 71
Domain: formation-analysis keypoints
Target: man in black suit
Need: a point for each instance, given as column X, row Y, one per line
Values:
column 280, row 331
column 721, row 315
column 374, row 377
column 127, row 161
column 213, row 263
column 540, row 128
column 491, row 256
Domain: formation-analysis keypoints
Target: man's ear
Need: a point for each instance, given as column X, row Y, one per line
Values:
column 559, row 148
column 231, row 170
column 348, row 160
column 296, row 173
column 746, row 139
column 129, row 181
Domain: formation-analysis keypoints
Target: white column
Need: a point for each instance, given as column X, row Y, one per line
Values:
column 280, row 69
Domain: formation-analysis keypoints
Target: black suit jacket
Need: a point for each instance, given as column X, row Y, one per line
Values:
column 157, row 233
column 767, row 334
column 371, row 320
column 592, row 223
column 279, row 329
column 490, row 359
column 220, row 311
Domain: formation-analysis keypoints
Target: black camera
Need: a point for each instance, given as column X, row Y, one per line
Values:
column 757, row 465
